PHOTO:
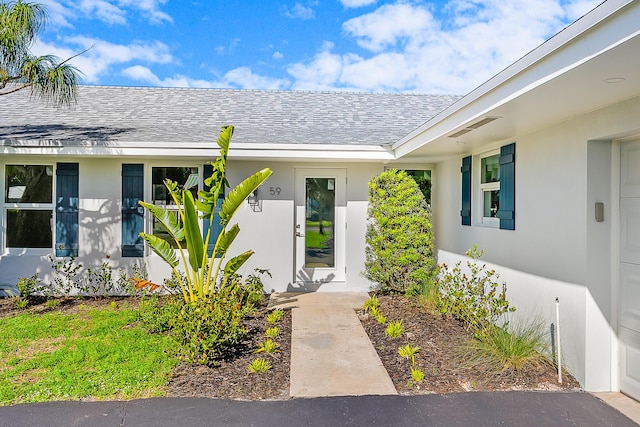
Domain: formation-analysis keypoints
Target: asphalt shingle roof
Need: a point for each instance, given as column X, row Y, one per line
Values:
column 134, row 114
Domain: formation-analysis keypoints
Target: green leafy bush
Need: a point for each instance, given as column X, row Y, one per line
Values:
column 158, row 314
column 399, row 239
column 207, row 327
column 478, row 300
column 27, row 286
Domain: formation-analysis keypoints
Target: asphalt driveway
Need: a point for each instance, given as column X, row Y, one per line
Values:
column 464, row 409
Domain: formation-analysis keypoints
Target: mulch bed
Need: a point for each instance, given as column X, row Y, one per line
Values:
column 230, row 378
column 439, row 340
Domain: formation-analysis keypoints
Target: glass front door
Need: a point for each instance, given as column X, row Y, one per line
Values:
column 320, row 213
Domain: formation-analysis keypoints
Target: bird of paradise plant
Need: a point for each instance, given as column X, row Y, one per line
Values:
column 204, row 274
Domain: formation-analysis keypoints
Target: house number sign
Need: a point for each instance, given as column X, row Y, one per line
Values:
column 275, row 191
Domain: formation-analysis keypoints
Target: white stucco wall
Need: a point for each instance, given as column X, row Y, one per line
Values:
column 267, row 230
column 270, row 230
column 557, row 249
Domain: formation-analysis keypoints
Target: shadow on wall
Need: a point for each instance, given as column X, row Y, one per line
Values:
column 100, row 221
column 306, row 283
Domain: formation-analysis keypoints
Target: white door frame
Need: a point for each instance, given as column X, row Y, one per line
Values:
column 314, row 277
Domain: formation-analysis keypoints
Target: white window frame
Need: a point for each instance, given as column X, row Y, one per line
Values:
column 171, row 207
column 492, row 222
column 6, row 206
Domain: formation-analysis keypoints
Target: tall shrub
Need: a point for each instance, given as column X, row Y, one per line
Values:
column 399, row 240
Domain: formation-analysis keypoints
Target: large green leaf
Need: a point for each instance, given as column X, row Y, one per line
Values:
column 235, row 263
column 195, row 245
column 166, row 218
column 224, row 140
column 225, row 239
column 239, row 194
column 162, row 248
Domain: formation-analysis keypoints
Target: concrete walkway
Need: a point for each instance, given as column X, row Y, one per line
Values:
column 331, row 354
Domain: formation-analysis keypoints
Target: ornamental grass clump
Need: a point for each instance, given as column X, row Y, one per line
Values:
column 507, row 351
column 400, row 254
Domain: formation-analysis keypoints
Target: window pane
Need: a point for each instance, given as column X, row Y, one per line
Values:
column 490, row 169
column 29, row 228
column 319, row 231
column 29, row 183
column 183, row 176
column 491, row 203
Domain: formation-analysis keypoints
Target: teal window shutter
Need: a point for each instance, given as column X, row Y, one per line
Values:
column 132, row 212
column 465, row 213
column 507, row 211
column 67, row 209
column 217, row 229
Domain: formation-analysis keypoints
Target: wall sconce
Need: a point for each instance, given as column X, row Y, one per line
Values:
column 253, row 198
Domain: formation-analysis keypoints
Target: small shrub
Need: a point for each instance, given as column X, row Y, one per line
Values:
column 399, row 239
column 272, row 332
column 380, row 318
column 99, row 281
column 268, row 346
column 254, row 287
column 158, row 315
column 52, row 304
column 417, row 375
column 395, row 329
column 275, row 316
column 27, row 286
column 371, row 304
column 477, row 300
column 208, row 327
column 65, row 276
column 409, row 352
column 259, row 366
column 20, row 303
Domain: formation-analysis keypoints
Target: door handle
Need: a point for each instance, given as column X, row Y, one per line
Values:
column 299, row 234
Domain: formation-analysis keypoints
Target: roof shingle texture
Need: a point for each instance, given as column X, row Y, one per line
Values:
column 167, row 115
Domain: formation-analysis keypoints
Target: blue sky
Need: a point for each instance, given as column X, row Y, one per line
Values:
column 357, row 45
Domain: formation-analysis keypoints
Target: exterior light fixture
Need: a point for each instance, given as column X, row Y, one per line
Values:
column 253, row 198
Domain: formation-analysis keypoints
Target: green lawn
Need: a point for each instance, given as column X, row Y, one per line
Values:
column 93, row 354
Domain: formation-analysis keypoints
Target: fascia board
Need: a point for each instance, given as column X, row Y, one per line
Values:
column 510, row 81
column 238, row 151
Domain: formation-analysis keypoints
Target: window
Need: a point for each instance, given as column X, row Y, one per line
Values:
column 187, row 178
column 495, row 186
column 490, row 189
column 29, row 206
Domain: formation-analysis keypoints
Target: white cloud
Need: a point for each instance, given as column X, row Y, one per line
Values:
column 239, row 78
column 144, row 74
column 388, row 24
column 408, row 50
column 277, row 55
column 103, row 56
column 63, row 13
column 299, row 11
column 356, row 3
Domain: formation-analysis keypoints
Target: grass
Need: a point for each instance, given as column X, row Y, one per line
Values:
column 96, row 354
column 505, row 351
column 316, row 240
